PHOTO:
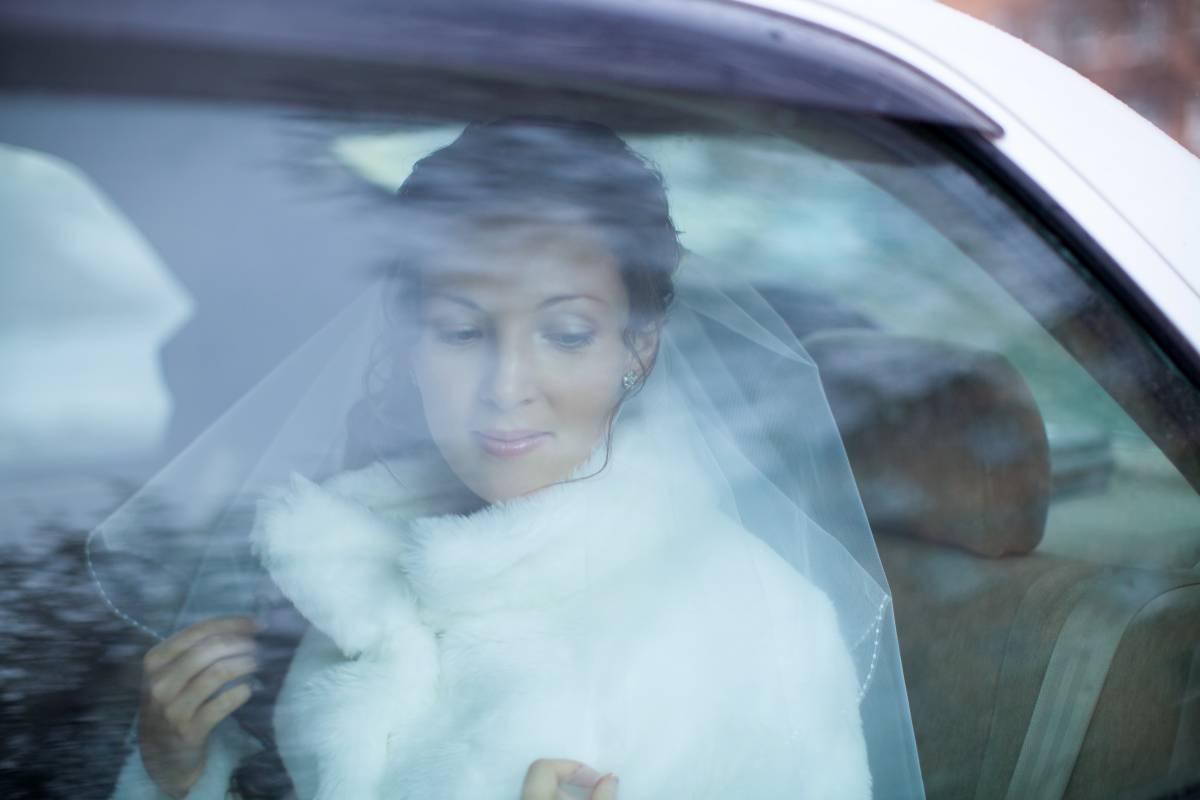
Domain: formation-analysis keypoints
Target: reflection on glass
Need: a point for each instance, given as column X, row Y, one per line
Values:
column 85, row 307
column 1014, row 439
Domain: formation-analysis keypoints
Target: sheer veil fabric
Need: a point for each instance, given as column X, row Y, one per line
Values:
column 730, row 432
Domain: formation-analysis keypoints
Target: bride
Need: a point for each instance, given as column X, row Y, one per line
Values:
column 576, row 566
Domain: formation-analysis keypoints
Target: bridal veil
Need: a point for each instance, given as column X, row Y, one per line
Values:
column 733, row 395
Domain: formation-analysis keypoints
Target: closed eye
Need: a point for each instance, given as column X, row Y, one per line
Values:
column 458, row 336
column 571, row 340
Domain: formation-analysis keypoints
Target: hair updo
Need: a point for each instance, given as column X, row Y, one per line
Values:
column 550, row 170
column 514, row 171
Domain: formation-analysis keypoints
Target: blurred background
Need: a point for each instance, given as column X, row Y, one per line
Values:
column 1146, row 52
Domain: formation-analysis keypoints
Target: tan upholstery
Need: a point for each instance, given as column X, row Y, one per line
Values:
column 975, row 637
column 950, row 455
column 946, row 443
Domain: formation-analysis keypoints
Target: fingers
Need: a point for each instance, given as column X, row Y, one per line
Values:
column 606, row 788
column 547, row 777
column 207, row 682
column 168, row 683
column 168, row 650
column 211, row 713
column 544, row 775
column 184, row 674
column 182, row 699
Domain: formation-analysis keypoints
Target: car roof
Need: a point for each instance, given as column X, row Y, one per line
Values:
column 1149, row 179
column 706, row 48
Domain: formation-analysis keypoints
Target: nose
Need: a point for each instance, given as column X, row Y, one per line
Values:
column 509, row 382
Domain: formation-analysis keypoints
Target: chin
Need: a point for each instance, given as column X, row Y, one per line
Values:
column 501, row 483
column 501, row 492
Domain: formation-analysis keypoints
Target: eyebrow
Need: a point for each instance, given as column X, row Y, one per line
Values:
column 562, row 298
column 454, row 298
column 558, row 298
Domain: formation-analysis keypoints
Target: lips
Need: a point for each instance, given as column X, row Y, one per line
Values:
column 510, row 444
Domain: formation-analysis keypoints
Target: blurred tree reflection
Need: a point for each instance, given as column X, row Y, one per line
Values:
column 60, row 735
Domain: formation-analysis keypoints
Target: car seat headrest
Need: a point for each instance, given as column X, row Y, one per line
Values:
column 946, row 443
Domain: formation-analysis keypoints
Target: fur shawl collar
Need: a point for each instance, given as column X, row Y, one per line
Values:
column 620, row 619
column 390, row 537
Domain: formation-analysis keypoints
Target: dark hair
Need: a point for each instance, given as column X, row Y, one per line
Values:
column 533, row 170
column 554, row 170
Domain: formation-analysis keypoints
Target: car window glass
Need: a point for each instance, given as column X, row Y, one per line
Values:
column 793, row 216
column 785, row 214
column 1014, row 432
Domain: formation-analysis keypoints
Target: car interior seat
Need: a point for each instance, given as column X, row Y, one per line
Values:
column 1029, row 675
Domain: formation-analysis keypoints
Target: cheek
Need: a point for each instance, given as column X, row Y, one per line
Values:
column 584, row 392
column 443, row 381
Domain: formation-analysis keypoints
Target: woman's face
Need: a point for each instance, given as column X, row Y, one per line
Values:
column 521, row 353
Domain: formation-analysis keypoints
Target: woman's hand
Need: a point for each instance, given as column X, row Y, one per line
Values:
column 180, row 705
column 563, row 779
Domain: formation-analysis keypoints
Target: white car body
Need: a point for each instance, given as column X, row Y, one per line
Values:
column 1131, row 187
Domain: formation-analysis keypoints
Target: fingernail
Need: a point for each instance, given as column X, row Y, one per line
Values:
column 585, row 776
